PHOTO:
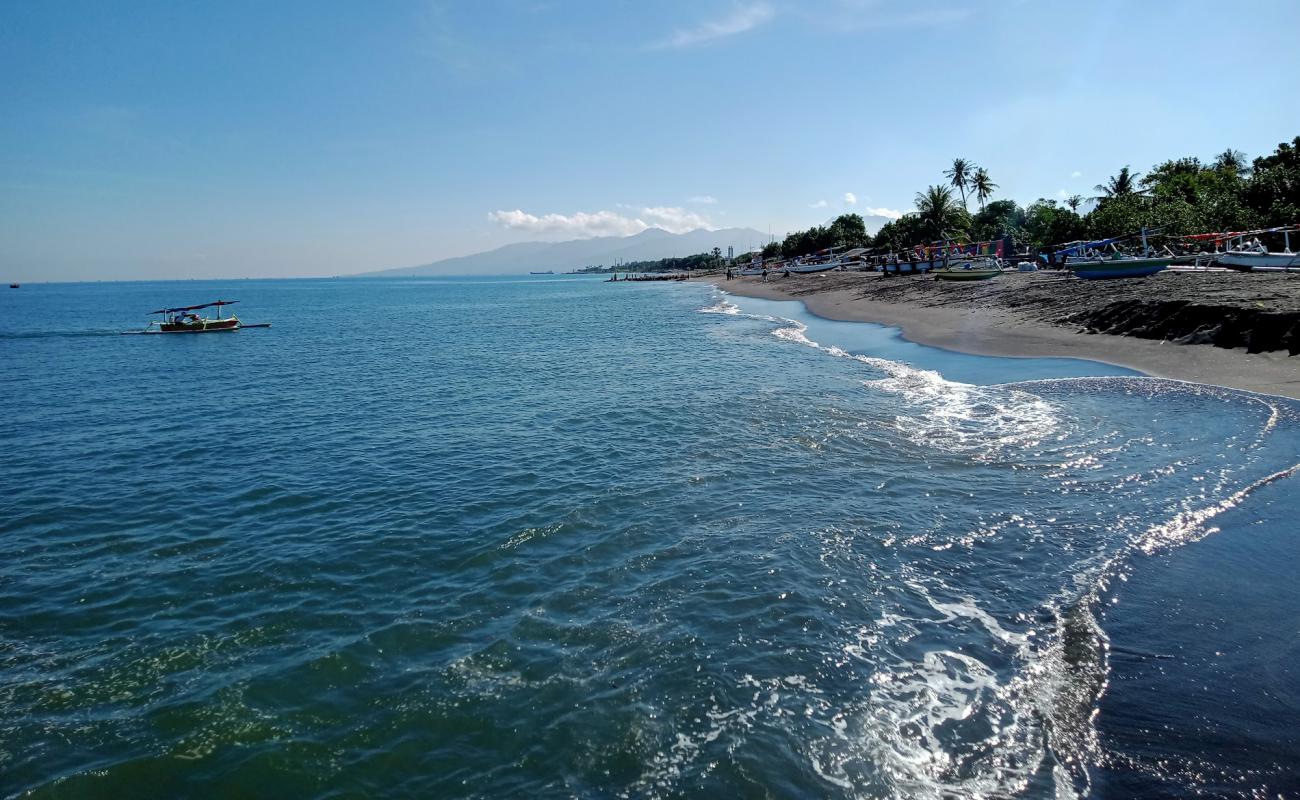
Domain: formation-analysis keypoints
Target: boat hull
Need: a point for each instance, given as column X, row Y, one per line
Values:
column 203, row 326
column 909, row 267
column 1119, row 268
column 966, row 274
column 808, row 270
column 1250, row 261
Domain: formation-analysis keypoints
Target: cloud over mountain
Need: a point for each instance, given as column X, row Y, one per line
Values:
column 584, row 224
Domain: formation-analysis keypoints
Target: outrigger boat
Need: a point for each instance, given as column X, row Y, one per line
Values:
column 183, row 320
column 969, row 270
column 1090, row 260
column 822, row 261
column 1253, row 255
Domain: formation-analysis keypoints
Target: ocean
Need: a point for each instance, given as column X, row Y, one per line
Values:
column 551, row 537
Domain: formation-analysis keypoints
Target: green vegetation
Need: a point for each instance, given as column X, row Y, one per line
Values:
column 698, row 262
column 1180, row 196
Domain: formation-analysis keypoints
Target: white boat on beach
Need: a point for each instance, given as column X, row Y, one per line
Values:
column 1254, row 256
column 1262, row 261
column 805, row 269
column 816, row 263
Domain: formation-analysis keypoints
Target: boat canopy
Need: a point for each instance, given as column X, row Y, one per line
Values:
column 1071, row 248
column 1235, row 234
column 194, row 308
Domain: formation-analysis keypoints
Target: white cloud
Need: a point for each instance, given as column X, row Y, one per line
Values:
column 850, row 198
column 1061, row 193
column 1076, row 174
column 584, row 225
column 675, row 220
column 818, row 204
column 888, row 213
column 743, row 18
column 703, row 200
column 852, row 16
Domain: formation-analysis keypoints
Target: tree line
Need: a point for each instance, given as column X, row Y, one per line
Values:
column 1180, row 196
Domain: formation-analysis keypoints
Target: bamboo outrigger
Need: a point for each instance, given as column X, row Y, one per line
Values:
column 182, row 319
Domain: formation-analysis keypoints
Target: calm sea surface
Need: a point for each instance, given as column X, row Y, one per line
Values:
column 550, row 537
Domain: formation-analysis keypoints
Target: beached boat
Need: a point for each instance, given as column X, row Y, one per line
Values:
column 971, row 270
column 805, row 269
column 1254, row 256
column 1118, row 266
column 1242, row 250
column 1262, row 261
column 1102, row 260
column 182, row 319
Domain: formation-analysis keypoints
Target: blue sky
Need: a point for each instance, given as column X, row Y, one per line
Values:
column 165, row 139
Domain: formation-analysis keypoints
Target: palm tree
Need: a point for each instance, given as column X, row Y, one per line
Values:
column 1074, row 201
column 982, row 185
column 959, row 176
column 940, row 214
column 1232, row 162
column 1121, row 185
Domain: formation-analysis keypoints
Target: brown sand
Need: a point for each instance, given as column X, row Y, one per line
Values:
column 1001, row 318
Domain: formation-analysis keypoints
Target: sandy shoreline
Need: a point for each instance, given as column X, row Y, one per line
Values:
column 992, row 330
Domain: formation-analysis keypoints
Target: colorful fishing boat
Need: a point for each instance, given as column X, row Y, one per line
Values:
column 182, row 319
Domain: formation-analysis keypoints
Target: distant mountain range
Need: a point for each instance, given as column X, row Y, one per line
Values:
column 649, row 244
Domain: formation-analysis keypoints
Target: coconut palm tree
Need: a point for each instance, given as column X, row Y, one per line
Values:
column 940, row 215
column 1074, row 201
column 959, row 176
column 982, row 185
column 1122, row 185
column 1232, row 162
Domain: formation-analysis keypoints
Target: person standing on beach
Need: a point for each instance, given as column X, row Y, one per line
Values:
column 764, row 274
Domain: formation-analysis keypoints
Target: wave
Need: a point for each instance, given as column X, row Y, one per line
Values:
column 1034, row 724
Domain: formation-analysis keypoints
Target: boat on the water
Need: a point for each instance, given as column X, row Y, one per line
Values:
column 13, row 286
column 547, row 272
column 968, row 270
column 182, row 319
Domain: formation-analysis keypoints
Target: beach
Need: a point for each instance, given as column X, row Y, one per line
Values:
column 1164, row 326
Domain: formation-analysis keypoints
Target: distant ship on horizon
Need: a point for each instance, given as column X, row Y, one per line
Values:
column 547, row 272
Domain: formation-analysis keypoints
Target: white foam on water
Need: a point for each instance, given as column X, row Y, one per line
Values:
column 944, row 723
column 722, row 306
column 981, row 421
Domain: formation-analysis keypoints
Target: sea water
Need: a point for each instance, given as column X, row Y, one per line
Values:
column 551, row 537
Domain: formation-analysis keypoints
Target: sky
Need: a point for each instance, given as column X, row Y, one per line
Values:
column 160, row 139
